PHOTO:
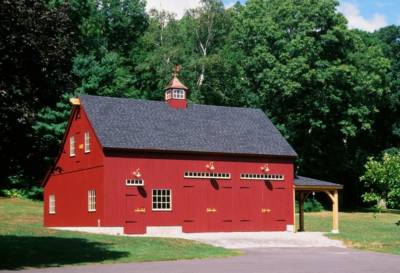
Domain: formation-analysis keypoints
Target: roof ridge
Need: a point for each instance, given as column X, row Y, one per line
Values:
column 163, row 102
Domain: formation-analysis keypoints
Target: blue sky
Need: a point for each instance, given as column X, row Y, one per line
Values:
column 368, row 15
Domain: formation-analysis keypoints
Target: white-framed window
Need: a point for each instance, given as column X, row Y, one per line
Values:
column 72, row 146
column 167, row 95
column 162, row 199
column 92, row 200
column 207, row 175
column 257, row 176
column 134, row 182
column 178, row 94
column 87, row 142
column 52, row 204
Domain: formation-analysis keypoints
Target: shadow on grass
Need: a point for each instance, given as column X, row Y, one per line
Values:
column 17, row 252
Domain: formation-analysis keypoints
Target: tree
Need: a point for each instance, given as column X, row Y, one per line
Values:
column 102, row 64
column 317, row 80
column 389, row 41
column 382, row 179
column 36, row 48
column 109, row 35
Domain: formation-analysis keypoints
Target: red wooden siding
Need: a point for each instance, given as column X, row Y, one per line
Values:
column 74, row 176
column 238, row 203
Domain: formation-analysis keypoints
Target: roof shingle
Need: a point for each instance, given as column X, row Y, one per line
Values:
column 153, row 125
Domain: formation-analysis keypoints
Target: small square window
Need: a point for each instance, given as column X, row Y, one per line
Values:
column 161, row 199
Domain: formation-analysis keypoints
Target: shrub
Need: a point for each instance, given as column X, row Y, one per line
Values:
column 310, row 205
column 382, row 180
column 34, row 192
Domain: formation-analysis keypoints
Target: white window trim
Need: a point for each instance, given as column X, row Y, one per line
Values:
column 134, row 182
column 72, row 146
column 178, row 94
column 91, row 200
column 87, row 142
column 262, row 176
column 170, row 200
column 52, row 204
column 206, row 175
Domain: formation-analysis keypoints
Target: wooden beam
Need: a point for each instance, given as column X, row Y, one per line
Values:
column 318, row 188
column 75, row 101
column 331, row 196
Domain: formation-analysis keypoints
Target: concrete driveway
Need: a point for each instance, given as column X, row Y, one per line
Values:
column 259, row 260
column 243, row 240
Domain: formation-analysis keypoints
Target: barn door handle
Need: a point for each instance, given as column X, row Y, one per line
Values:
column 140, row 210
column 211, row 210
column 263, row 210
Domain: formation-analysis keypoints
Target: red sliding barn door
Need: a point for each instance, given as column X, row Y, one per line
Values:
column 219, row 214
column 274, row 202
column 246, row 206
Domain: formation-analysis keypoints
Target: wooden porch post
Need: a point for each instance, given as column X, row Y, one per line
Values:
column 335, row 212
column 334, row 196
column 301, row 211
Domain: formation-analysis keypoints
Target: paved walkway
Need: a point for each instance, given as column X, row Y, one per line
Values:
column 260, row 260
column 243, row 240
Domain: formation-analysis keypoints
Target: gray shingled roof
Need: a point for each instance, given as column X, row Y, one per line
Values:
column 153, row 125
column 311, row 182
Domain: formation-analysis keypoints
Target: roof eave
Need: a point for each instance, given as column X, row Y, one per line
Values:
column 152, row 150
column 318, row 187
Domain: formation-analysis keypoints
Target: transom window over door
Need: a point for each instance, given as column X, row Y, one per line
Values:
column 162, row 200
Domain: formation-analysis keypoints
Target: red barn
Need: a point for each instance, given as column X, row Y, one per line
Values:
column 137, row 166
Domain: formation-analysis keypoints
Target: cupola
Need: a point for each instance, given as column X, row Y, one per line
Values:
column 176, row 92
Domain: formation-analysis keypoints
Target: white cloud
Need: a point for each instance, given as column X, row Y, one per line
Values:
column 230, row 4
column 356, row 20
column 176, row 6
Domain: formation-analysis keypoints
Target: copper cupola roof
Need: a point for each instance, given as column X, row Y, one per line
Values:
column 176, row 84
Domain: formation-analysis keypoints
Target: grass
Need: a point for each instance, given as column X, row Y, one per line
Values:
column 25, row 243
column 363, row 230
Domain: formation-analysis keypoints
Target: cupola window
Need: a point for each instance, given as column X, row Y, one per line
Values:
column 168, row 95
column 178, row 94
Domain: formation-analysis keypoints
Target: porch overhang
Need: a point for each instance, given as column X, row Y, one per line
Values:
column 304, row 186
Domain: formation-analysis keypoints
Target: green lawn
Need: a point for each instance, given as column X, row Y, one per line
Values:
column 25, row 243
column 363, row 230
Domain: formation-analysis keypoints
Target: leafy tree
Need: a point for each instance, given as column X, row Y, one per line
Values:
column 49, row 129
column 36, row 48
column 382, row 178
column 389, row 38
column 106, row 77
column 318, row 81
column 162, row 46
